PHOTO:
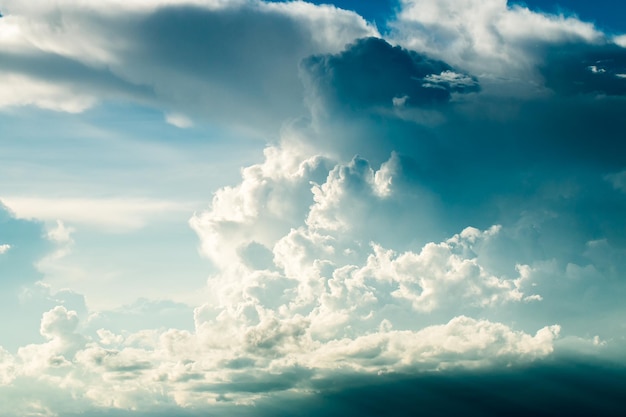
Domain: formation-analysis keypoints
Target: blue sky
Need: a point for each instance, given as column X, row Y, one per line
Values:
column 258, row 208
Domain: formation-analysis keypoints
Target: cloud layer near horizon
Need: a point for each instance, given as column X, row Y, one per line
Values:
column 479, row 226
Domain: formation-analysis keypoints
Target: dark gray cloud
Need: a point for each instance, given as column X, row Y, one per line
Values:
column 547, row 390
column 480, row 147
column 74, row 75
column 372, row 73
column 253, row 382
column 563, row 387
column 586, row 69
column 211, row 62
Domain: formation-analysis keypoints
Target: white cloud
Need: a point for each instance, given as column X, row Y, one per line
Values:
column 113, row 214
column 329, row 278
column 178, row 120
column 596, row 70
column 163, row 54
column 61, row 233
column 489, row 38
column 7, row 367
column 164, row 368
column 4, row 248
column 272, row 197
column 58, row 326
column 22, row 91
column 620, row 40
column 462, row 342
column 451, row 78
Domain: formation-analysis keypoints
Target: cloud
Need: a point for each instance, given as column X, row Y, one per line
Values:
column 371, row 73
column 420, row 222
column 4, row 248
column 326, row 275
column 170, row 368
column 452, row 147
column 208, row 60
column 23, row 296
column 178, row 120
column 112, row 215
column 489, row 38
column 586, row 68
column 536, row 390
column 620, row 40
column 61, row 233
column 309, row 299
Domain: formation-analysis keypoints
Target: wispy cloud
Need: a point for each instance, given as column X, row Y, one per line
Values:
column 109, row 214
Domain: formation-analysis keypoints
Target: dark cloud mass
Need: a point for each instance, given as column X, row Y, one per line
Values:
column 372, row 73
column 559, row 388
column 586, row 69
column 482, row 147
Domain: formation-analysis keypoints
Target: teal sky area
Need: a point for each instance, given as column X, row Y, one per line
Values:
column 606, row 14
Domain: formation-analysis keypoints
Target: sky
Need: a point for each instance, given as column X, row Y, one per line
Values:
column 278, row 208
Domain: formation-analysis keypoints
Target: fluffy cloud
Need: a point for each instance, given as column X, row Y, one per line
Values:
column 310, row 298
column 323, row 270
column 490, row 38
column 147, row 370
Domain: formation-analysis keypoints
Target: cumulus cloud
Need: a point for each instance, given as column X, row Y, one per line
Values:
column 312, row 297
column 178, row 368
column 329, row 278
